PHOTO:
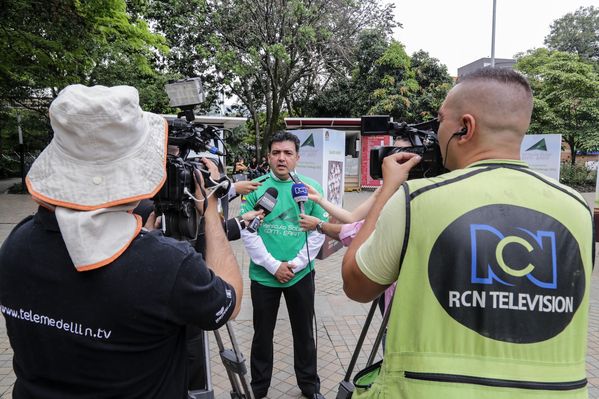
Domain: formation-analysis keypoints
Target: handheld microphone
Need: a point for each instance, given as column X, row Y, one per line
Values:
column 299, row 192
column 267, row 203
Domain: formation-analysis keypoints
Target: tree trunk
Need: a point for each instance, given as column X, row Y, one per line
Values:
column 256, row 119
column 572, row 152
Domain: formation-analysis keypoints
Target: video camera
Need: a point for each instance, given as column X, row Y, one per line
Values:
column 175, row 201
column 422, row 137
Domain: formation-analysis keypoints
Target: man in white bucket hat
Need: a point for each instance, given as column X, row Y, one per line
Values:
column 96, row 305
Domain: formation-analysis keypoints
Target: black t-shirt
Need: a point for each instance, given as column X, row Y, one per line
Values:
column 117, row 331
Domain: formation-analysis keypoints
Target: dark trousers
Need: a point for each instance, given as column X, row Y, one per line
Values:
column 300, row 306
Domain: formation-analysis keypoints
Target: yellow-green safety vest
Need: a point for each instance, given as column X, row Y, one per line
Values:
column 493, row 292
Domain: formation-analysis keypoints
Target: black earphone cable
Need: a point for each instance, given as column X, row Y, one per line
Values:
column 315, row 325
column 462, row 132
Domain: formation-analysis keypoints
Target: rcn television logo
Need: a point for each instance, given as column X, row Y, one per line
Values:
column 509, row 273
column 538, row 250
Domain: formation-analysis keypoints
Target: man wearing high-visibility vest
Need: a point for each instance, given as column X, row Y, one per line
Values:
column 492, row 260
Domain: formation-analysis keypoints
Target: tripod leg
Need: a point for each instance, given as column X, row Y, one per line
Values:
column 200, row 378
column 346, row 388
column 234, row 363
column 242, row 376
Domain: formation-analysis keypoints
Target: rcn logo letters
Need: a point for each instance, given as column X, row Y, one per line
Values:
column 538, row 249
column 299, row 189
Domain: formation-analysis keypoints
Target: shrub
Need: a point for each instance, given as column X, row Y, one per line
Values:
column 578, row 177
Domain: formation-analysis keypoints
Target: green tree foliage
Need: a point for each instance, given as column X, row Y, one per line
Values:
column 267, row 52
column 51, row 44
column 576, row 32
column 434, row 83
column 565, row 91
column 348, row 93
column 185, row 27
column 47, row 45
column 396, row 83
column 384, row 79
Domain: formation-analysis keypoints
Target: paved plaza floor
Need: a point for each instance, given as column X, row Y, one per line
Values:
column 339, row 321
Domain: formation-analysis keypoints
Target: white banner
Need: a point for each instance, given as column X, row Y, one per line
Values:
column 542, row 152
column 322, row 157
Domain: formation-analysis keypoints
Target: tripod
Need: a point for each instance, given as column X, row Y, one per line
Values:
column 346, row 387
column 234, row 364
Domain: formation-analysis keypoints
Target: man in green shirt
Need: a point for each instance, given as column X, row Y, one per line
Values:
column 282, row 263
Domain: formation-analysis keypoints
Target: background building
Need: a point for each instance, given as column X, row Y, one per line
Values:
column 485, row 62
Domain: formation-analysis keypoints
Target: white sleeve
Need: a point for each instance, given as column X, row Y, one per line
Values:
column 315, row 241
column 232, row 193
column 258, row 252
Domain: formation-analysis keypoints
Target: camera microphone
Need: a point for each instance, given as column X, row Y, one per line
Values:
column 213, row 150
column 299, row 192
column 266, row 203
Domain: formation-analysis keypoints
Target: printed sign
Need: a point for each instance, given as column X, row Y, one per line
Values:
column 542, row 152
column 322, row 157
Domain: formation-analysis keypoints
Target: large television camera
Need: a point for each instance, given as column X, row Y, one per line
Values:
column 421, row 136
column 175, row 201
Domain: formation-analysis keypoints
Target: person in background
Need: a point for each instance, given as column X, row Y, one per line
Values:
column 282, row 263
column 253, row 169
column 263, row 166
column 492, row 260
column 240, row 166
column 94, row 303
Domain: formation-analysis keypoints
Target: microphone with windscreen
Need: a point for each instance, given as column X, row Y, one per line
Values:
column 267, row 203
column 299, row 192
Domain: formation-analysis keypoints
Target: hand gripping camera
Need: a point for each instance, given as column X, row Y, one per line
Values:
column 175, row 201
column 421, row 136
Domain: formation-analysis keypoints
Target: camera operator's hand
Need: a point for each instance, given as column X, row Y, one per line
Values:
column 307, row 222
column 251, row 215
column 212, row 168
column 244, row 187
column 200, row 199
column 153, row 222
column 396, row 168
column 284, row 273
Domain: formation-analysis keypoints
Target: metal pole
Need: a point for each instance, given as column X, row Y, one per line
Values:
column 493, row 36
column 21, row 152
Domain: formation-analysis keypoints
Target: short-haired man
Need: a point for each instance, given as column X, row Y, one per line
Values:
column 95, row 305
column 492, row 260
column 282, row 263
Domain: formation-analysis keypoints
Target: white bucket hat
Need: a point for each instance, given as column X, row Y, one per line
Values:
column 106, row 151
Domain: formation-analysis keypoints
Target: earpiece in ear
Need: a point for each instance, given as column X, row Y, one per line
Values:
column 462, row 132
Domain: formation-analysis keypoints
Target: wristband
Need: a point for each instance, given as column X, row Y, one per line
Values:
column 319, row 226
